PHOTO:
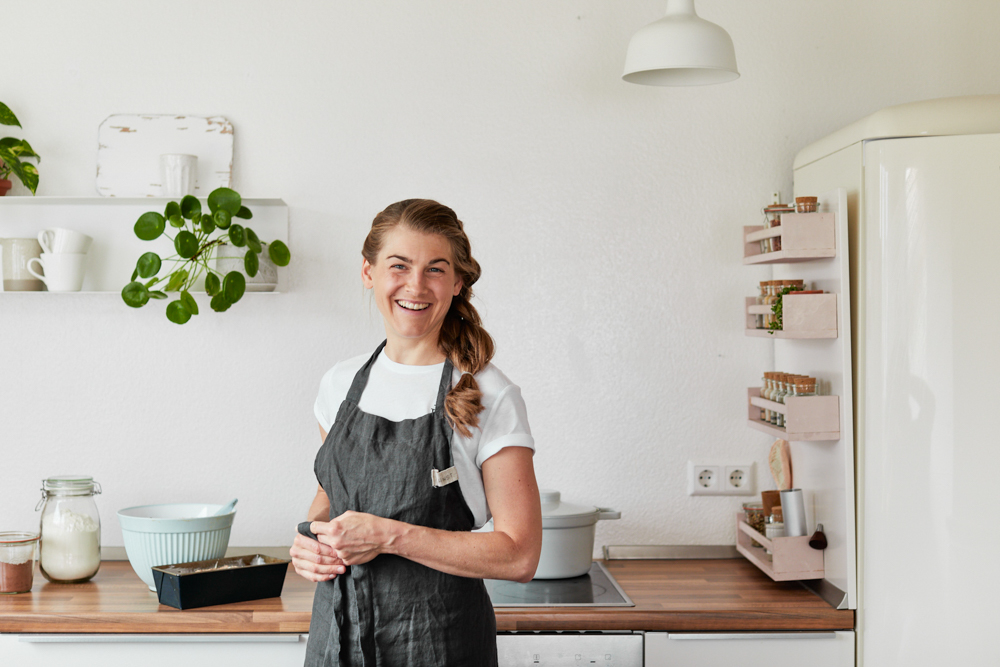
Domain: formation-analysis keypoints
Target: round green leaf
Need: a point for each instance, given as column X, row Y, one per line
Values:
column 176, row 221
column 219, row 303
column 244, row 213
column 189, row 302
column 251, row 263
column 212, row 284
column 173, row 208
column 190, row 207
column 279, row 253
column 222, row 218
column 252, row 241
column 177, row 278
column 233, row 286
column 207, row 224
column 186, row 244
column 148, row 265
column 224, row 199
column 177, row 312
column 236, row 235
column 135, row 294
column 150, row 225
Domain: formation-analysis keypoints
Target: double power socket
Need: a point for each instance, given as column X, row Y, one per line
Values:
column 726, row 479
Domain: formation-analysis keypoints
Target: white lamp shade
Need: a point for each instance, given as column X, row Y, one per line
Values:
column 681, row 49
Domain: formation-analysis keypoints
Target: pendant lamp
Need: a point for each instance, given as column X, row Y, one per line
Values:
column 681, row 49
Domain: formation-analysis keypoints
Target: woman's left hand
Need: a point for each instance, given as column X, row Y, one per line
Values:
column 356, row 537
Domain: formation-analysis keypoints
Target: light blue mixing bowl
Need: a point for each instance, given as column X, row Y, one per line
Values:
column 173, row 533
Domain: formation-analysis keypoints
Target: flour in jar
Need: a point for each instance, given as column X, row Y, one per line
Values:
column 70, row 546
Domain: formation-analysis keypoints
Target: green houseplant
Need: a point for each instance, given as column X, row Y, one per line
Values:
column 198, row 235
column 11, row 152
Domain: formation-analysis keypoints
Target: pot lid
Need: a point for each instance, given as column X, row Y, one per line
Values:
column 559, row 514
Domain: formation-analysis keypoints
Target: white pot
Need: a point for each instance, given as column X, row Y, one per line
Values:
column 568, row 536
column 230, row 258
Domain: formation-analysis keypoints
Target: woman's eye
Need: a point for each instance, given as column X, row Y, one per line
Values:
column 397, row 266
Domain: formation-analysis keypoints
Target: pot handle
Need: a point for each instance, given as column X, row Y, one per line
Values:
column 608, row 513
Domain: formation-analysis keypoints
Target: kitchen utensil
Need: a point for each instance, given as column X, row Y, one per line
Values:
column 178, row 174
column 167, row 534
column 17, row 561
column 14, row 258
column 771, row 499
column 780, row 462
column 70, row 547
column 794, row 510
column 59, row 240
column 61, row 272
column 568, row 536
column 227, row 508
column 220, row 581
column 818, row 539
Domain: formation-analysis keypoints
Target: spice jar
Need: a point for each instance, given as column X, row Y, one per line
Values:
column 773, row 528
column 806, row 204
column 17, row 561
column 754, row 512
column 70, row 547
column 772, row 218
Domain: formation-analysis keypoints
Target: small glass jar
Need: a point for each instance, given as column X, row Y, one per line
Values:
column 772, row 529
column 17, row 561
column 806, row 204
column 761, row 296
column 754, row 513
column 70, row 546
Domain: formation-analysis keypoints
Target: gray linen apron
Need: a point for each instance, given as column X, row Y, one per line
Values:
column 392, row 611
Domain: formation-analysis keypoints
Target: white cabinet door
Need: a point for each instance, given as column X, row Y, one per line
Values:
column 750, row 649
column 201, row 650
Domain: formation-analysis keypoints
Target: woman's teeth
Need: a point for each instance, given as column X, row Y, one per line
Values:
column 410, row 305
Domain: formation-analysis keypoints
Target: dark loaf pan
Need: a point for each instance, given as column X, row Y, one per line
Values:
column 220, row 581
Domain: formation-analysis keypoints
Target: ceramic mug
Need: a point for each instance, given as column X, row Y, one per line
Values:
column 59, row 240
column 14, row 259
column 178, row 174
column 62, row 271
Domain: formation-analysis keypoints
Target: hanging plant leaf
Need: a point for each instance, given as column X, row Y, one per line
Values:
column 176, row 221
column 236, row 235
column 135, row 295
column 207, row 224
column 212, row 284
column 233, row 286
column 219, row 303
column 7, row 116
column 148, row 265
column 222, row 218
column 279, row 253
column 177, row 312
column 150, row 225
column 173, row 208
column 224, row 199
column 177, row 279
column 186, row 244
column 251, row 263
column 189, row 302
column 135, row 274
column 156, row 294
column 252, row 241
column 190, row 207
column 244, row 213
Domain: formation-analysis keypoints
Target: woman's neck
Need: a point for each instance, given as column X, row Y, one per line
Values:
column 422, row 352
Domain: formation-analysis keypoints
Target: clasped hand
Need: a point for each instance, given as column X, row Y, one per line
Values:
column 352, row 538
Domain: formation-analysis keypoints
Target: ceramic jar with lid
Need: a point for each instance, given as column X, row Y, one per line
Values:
column 70, row 543
column 568, row 536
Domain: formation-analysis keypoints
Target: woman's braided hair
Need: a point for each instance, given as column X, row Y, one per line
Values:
column 463, row 338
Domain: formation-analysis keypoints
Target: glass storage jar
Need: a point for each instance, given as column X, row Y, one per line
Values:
column 70, row 544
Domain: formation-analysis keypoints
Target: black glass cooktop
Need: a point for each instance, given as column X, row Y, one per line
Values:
column 597, row 588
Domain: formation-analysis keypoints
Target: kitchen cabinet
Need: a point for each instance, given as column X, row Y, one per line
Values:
column 815, row 341
column 750, row 649
column 121, row 650
column 109, row 220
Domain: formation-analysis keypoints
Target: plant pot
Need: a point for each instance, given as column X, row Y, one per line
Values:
column 568, row 536
column 5, row 185
column 230, row 258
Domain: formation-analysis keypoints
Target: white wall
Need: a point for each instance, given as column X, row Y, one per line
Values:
column 606, row 217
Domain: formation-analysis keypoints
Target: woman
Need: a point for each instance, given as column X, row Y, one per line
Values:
column 429, row 438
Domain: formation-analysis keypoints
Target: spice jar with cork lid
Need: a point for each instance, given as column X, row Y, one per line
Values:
column 70, row 546
column 806, row 204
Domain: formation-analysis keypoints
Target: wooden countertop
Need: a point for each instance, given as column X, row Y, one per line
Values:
column 669, row 595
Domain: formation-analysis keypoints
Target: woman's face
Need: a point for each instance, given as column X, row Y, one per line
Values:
column 413, row 281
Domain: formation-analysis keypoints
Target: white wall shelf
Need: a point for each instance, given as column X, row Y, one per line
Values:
column 807, row 418
column 109, row 220
column 803, row 237
column 803, row 316
column 791, row 558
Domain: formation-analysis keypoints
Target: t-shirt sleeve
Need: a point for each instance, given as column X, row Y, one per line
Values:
column 506, row 425
column 326, row 403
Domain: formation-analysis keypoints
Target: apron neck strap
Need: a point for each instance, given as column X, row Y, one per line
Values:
column 444, row 387
column 361, row 377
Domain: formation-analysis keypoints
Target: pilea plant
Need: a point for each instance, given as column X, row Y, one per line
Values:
column 195, row 244
column 11, row 152
column 777, row 322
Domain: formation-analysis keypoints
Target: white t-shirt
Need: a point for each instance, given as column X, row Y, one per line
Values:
column 398, row 391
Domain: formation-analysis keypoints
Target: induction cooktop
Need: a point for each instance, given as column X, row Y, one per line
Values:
column 597, row 588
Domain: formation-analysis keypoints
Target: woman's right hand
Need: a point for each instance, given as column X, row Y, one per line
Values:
column 315, row 561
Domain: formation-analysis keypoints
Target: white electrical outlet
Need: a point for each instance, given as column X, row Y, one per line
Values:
column 713, row 479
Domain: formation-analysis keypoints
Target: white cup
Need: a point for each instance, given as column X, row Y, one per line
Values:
column 178, row 174
column 59, row 240
column 14, row 259
column 62, row 272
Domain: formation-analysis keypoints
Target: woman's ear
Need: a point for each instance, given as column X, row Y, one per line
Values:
column 366, row 274
column 458, row 286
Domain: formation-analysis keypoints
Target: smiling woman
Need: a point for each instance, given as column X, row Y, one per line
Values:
column 422, row 442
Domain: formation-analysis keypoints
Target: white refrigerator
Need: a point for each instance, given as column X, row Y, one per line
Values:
column 923, row 191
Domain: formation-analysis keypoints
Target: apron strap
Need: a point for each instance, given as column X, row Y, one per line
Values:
column 361, row 377
column 444, row 387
